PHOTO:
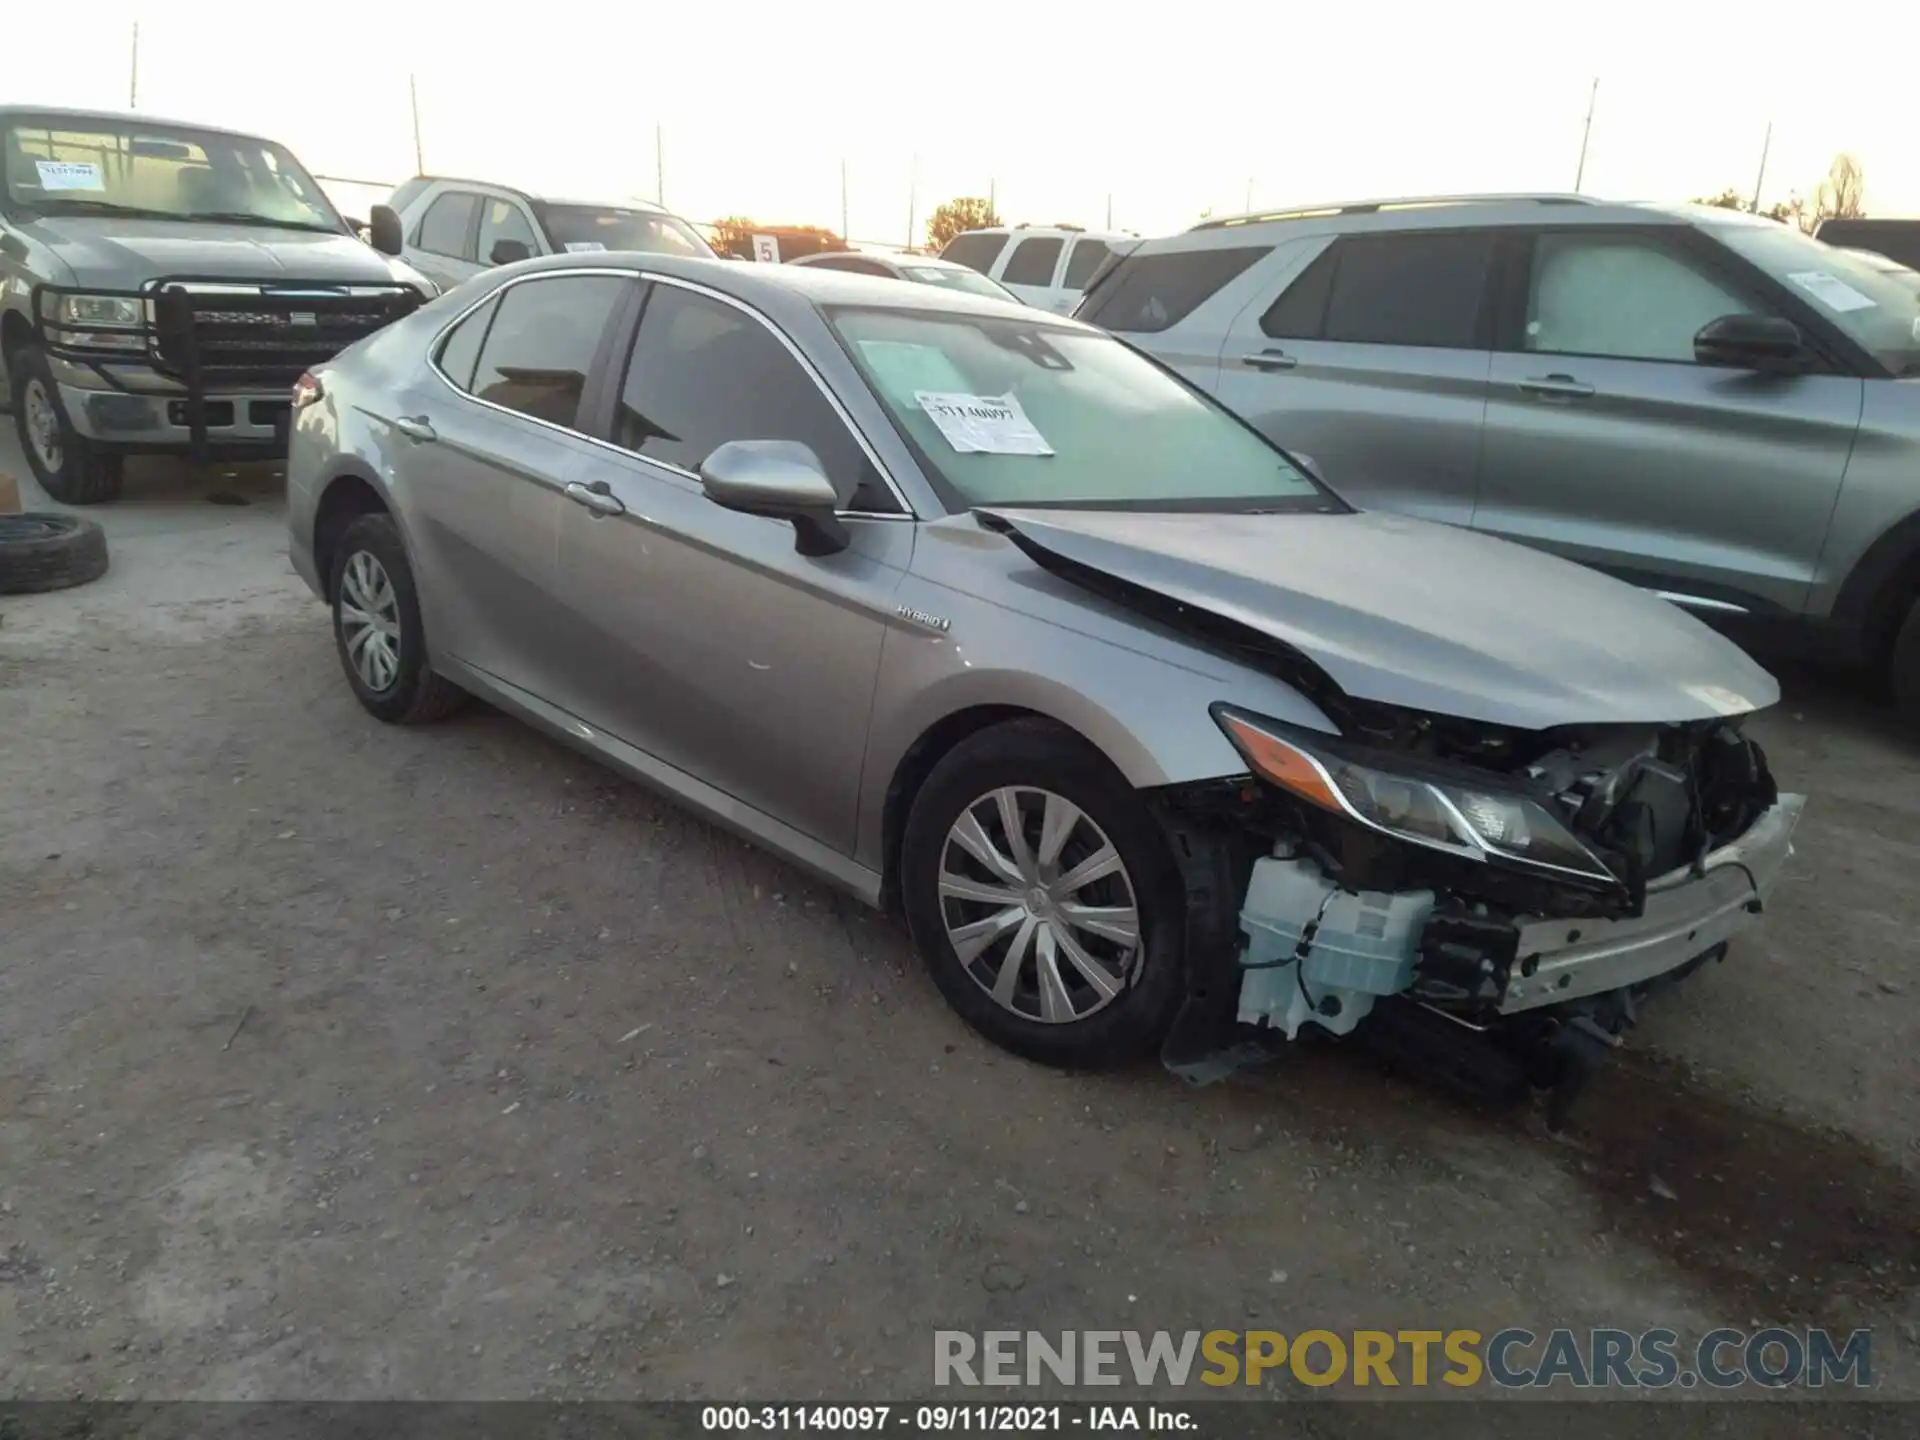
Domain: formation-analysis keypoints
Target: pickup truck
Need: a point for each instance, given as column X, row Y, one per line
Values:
column 163, row 285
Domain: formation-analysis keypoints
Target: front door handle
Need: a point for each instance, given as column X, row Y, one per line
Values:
column 595, row 497
column 1269, row 360
column 416, row 428
column 1563, row 387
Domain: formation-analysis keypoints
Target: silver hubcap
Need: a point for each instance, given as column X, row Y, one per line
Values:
column 1038, row 905
column 43, row 424
column 370, row 621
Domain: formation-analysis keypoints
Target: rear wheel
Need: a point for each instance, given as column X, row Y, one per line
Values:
column 69, row 467
column 1044, row 898
column 377, row 628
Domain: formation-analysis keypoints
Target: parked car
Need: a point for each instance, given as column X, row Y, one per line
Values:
column 452, row 230
column 979, row 614
column 1706, row 404
column 920, row 269
column 1896, row 239
column 1045, row 266
column 162, row 285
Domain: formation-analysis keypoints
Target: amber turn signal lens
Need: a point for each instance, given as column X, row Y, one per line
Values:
column 1279, row 762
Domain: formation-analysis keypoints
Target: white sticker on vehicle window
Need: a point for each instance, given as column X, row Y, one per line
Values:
column 69, row 175
column 983, row 424
column 1830, row 291
column 904, row 369
column 584, row 247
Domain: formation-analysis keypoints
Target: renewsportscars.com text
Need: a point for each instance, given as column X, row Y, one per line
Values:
column 1509, row 1359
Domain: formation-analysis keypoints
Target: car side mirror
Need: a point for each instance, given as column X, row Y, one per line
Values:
column 383, row 230
column 1765, row 344
column 780, row 479
column 505, row 252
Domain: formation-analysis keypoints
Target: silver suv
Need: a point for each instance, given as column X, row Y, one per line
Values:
column 1709, row 405
column 161, row 288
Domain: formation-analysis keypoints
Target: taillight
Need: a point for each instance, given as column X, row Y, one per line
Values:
column 306, row 390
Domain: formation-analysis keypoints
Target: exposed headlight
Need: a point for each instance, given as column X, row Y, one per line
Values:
column 1442, row 812
column 115, row 310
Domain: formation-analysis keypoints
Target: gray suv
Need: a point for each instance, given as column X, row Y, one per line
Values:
column 161, row 288
column 1708, row 405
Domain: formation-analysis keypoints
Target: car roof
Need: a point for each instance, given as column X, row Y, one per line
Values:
column 12, row 112
column 1047, row 230
column 783, row 290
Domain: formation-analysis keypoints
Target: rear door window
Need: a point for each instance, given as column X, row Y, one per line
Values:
column 1148, row 293
column 540, row 347
column 460, row 351
column 447, row 227
column 976, row 249
column 1032, row 261
column 1423, row 289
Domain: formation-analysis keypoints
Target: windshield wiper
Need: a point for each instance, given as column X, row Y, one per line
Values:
column 247, row 217
column 66, row 204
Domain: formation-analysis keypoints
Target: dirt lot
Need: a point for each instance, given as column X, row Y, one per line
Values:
column 338, row 1060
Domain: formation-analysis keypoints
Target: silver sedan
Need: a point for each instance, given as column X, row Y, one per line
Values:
column 984, row 617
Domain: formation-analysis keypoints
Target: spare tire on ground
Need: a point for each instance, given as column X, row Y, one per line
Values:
column 49, row 552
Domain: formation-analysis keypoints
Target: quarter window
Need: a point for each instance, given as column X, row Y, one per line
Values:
column 1415, row 289
column 461, row 349
column 703, row 372
column 540, row 348
column 447, row 227
column 1032, row 261
column 504, row 220
column 1622, row 296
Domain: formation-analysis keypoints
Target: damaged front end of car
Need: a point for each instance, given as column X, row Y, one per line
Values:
column 1488, row 905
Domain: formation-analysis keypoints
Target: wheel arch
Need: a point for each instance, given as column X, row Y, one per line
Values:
column 347, row 496
column 1874, row 597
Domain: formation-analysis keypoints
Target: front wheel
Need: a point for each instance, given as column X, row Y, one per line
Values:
column 1044, row 898
column 1903, row 669
column 377, row 628
column 69, row 467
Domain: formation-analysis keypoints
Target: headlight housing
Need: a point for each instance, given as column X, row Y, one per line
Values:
column 1473, row 817
column 99, row 310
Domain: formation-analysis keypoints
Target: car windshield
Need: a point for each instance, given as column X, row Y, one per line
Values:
column 1017, row 412
column 593, row 227
column 958, row 277
column 1875, row 307
column 67, row 166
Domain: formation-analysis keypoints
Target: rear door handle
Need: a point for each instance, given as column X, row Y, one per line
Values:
column 595, row 497
column 1561, row 386
column 416, row 428
column 1269, row 360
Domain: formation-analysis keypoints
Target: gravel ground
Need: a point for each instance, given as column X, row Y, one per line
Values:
column 345, row 1061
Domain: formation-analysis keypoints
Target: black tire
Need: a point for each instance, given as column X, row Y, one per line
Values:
column 415, row 694
column 1037, row 755
column 85, row 474
column 49, row 552
column 1903, row 669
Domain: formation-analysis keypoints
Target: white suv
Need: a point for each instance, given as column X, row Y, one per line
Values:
column 453, row 229
column 1045, row 266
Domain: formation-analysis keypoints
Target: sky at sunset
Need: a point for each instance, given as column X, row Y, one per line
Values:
column 1162, row 112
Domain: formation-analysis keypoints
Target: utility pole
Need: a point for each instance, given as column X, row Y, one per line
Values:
column 1109, row 210
column 1765, row 146
column 845, row 230
column 660, row 162
column 993, row 198
column 413, row 95
column 1580, row 171
column 1249, row 209
column 133, row 76
column 913, row 199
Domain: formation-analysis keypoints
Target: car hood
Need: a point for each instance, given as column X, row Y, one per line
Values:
column 117, row 253
column 1406, row 612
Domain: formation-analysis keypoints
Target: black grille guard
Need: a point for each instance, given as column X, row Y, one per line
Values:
column 216, row 334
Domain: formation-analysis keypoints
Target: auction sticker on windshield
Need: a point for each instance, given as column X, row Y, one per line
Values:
column 983, row 424
column 584, row 247
column 68, row 175
column 1833, row 293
